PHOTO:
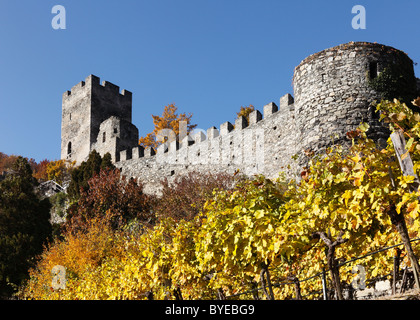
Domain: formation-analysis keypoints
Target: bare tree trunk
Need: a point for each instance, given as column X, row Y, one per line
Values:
column 265, row 274
column 331, row 261
column 220, row 294
column 149, row 295
column 296, row 282
column 178, row 294
column 254, row 286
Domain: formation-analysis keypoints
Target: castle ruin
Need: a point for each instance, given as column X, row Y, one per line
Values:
column 332, row 95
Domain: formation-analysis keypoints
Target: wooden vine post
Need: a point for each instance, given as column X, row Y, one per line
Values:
column 395, row 273
column 398, row 220
column 324, row 284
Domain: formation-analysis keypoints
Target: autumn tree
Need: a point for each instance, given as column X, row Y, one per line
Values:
column 245, row 111
column 6, row 162
column 40, row 170
column 60, row 170
column 185, row 196
column 171, row 120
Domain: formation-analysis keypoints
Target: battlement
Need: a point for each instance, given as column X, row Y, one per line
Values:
column 93, row 81
column 355, row 47
column 75, row 89
column 229, row 138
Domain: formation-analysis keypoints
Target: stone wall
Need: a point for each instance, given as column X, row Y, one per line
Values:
column 333, row 93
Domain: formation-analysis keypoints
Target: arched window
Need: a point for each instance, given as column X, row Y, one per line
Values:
column 69, row 148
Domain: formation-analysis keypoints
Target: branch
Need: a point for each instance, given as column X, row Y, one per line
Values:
column 328, row 241
column 339, row 239
column 323, row 236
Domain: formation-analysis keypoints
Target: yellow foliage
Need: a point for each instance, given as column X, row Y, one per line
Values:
column 59, row 170
column 245, row 111
column 258, row 223
column 168, row 120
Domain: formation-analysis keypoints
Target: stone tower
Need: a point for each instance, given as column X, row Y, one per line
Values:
column 96, row 116
column 333, row 91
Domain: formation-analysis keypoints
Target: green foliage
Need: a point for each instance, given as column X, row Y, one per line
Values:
column 395, row 83
column 87, row 169
column 58, row 203
column 24, row 225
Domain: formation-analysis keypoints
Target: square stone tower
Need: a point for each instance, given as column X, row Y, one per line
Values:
column 84, row 109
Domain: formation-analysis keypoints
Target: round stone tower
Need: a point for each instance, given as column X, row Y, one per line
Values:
column 334, row 90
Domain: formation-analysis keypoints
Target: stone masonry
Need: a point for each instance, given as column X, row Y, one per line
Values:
column 332, row 96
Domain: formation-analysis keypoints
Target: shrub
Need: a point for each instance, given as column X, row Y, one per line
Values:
column 110, row 192
column 185, row 196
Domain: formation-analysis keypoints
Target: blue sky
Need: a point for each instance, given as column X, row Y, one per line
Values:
column 209, row 57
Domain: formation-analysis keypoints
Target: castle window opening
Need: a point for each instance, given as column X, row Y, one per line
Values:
column 375, row 115
column 115, row 130
column 104, row 137
column 70, row 116
column 69, row 149
column 373, row 69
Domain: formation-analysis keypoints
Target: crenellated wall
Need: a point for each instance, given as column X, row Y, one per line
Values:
column 265, row 145
column 332, row 95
